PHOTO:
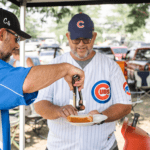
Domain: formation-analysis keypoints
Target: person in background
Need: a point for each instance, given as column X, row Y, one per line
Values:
column 16, row 56
column 105, row 92
column 19, row 85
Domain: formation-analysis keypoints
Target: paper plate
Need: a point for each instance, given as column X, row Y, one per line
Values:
column 97, row 118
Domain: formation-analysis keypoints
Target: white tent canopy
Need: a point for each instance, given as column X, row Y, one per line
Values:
column 49, row 3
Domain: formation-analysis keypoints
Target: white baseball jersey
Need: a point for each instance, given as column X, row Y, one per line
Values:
column 104, row 86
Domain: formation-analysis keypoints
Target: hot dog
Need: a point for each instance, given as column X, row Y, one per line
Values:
column 80, row 119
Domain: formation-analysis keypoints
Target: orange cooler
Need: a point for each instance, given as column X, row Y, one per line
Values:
column 135, row 138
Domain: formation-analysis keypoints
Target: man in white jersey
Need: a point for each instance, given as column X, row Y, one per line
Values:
column 105, row 91
column 19, row 86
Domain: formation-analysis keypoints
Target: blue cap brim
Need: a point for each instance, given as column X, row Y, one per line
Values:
column 82, row 34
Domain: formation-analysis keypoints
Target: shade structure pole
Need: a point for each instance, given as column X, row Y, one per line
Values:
column 22, row 63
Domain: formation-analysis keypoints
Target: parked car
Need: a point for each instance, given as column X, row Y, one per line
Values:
column 133, row 45
column 108, row 51
column 35, row 60
column 49, row 41
column 113, row 52
column 32, row 45
column 45, row 47
column 138, row 59
column 104, row 50
column 119, row 51
column 46, row 56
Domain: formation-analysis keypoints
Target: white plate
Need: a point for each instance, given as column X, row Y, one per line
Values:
column 97, row 118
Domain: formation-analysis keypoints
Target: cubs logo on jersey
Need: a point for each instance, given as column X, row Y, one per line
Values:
column 80, row 24
column 126, row 88
column 101, row 91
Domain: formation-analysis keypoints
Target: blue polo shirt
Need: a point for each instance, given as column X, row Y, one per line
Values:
column 11, row 95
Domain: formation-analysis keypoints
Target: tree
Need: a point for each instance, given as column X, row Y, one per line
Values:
column 139, row 13
column 32, row 27
column 31, row 23
column 118, row 20
column 58, row 13
column 123, row 22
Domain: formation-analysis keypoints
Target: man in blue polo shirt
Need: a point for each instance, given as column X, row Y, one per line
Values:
column 19, row 86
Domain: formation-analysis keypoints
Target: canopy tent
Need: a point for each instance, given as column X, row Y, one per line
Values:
column 47, row 3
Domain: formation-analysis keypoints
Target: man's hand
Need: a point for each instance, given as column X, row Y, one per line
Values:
column 66, row 111
column 93, row 112
column 75, row 71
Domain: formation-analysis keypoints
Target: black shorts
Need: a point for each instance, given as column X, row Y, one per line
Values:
column 116, row 148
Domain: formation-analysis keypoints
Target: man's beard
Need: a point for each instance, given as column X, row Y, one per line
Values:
column 5, row 57
column 76, row 54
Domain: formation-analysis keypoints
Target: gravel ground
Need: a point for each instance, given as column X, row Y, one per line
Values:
column 37, row 143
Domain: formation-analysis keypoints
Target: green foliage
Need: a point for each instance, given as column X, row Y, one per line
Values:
column 57, row 12
column 137, row 35
column 16, row 9
column 129, row 18
column 139, row 13
column 3, row 2
column 31, row 23
column 118, row 20
column 61, row 16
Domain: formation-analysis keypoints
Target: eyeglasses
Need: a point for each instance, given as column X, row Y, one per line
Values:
column 17, row 39
column 85, row 41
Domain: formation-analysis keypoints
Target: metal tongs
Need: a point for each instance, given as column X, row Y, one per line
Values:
column 81, row 106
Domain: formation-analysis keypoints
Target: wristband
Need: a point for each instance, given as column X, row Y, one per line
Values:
column 101, row 121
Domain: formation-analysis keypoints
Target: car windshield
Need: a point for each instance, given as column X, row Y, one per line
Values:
column 130, row 54
column 46, row 54
column 145, row 44
column 143, row 54
column 120, row 50
column 46, row 48
column 105, row 50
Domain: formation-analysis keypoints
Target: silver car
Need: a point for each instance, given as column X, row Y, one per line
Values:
column 46, row 56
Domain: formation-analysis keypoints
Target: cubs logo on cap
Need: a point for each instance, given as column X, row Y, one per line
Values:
column 126, row 88
column 80, row 24
column 101, row 91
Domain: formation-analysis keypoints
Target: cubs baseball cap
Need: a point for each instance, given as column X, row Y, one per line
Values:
column 81, row 26
column 9, row 20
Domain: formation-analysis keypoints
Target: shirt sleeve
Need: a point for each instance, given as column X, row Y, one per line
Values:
column 45, row 94
column 11, row 83
column 119, row 87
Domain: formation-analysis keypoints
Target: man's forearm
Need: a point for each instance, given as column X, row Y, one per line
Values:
column 47, row 110
column 41, row 76
column 116, row 112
